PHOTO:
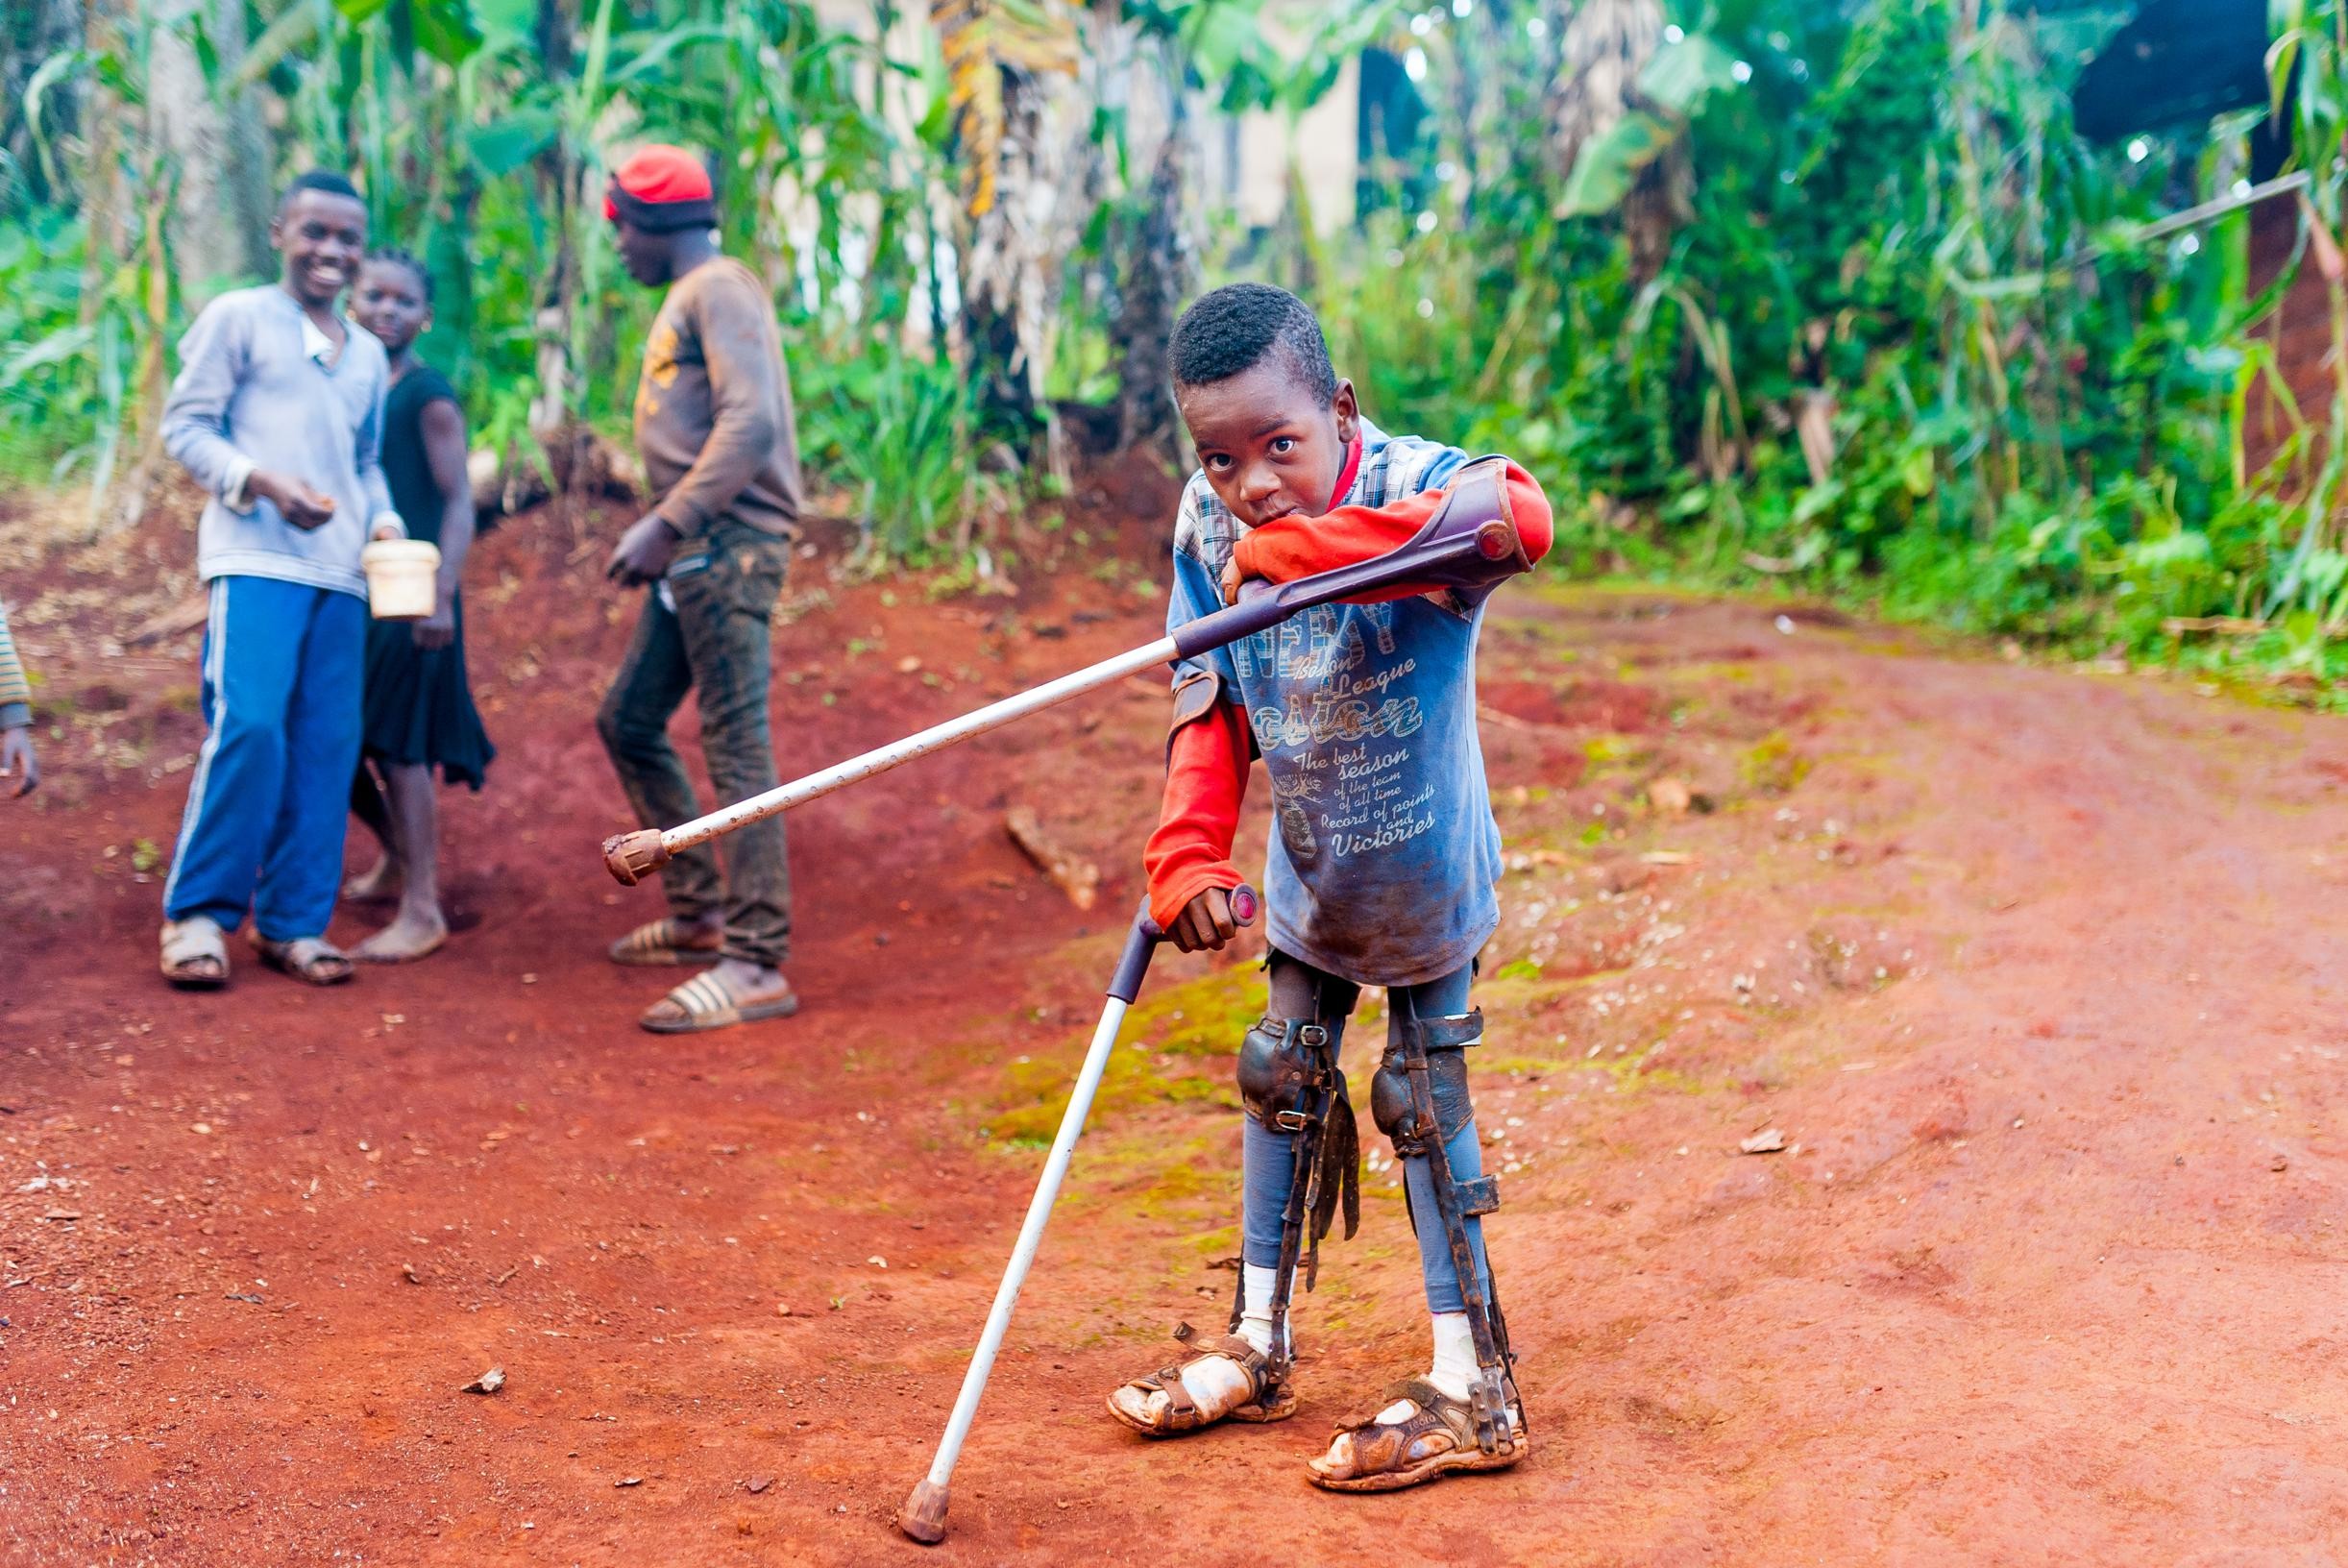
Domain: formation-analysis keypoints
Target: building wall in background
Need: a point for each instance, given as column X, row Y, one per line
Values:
column 1321, row 150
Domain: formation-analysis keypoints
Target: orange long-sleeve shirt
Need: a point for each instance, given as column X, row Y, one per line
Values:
column 1207, row 761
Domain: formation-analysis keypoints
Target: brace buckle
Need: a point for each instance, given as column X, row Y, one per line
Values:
column 1480, row 1196
column 1488, row 1402
column 1293, row 1121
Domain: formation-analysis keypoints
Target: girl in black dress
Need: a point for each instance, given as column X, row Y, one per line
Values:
column 420, row 711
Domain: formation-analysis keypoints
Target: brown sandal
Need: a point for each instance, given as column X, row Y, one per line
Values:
column 1434, row 1439
column 1271, row 1401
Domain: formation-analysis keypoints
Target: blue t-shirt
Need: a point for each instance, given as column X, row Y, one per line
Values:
column 1384, row 853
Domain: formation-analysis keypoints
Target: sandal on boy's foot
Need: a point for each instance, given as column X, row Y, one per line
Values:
column 1158, row 1404
column 195, row 953
column 708, row 1002
column 666, row 942
column 312, row 960
column 1418, row 1435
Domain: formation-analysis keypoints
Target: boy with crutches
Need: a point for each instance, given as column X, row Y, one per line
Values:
column 1382, row 873
column 1354, row 675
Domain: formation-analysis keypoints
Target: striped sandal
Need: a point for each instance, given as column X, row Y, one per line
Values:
column 707, row 1002
column 668, row 942
column 312, row 960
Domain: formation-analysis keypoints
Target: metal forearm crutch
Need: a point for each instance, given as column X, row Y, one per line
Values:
column 1470, row 542
column 923, row 1515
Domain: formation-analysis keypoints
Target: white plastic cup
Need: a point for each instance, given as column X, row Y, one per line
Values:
column 403, row 579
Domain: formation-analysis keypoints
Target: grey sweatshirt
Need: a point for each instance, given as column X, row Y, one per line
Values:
column 255, row 391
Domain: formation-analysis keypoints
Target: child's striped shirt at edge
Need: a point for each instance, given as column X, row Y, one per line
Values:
column 16, row 692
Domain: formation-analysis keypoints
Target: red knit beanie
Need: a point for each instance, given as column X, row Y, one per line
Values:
column 661, row 189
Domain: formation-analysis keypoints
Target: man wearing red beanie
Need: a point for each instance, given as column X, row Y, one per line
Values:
column 714, row 425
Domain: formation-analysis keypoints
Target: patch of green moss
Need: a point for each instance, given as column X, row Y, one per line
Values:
column 1612, row 750
column 1036, row 1094
column 1205, row 1017
column 1772, row 766
column 1495, row 1065
column 1630, row 1073
column 1171, row 1051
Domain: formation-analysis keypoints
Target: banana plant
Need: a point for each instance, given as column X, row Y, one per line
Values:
column 1006, row 62
column 1611, row 138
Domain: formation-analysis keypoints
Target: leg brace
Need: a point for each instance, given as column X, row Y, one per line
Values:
column 1420, row 1100
column 1289, row 1082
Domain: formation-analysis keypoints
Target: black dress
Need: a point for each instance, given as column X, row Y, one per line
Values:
column 419, row 706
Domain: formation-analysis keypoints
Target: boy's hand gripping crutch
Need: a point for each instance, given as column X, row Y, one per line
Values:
column 923, row 1515
column 1470, row 542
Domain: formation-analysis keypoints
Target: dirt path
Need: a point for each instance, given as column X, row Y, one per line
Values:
column 2036, row 970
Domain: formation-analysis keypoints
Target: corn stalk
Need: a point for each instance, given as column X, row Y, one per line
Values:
column 1614, row 144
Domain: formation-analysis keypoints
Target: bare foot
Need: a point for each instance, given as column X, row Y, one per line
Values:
column 411, row 937
column 377, row 886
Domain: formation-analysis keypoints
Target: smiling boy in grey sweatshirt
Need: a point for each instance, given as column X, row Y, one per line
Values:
column 278, row 413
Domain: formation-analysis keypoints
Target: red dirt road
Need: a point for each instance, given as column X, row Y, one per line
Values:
column 2036, row 970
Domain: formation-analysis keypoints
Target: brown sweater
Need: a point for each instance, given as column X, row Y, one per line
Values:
column 713, row 406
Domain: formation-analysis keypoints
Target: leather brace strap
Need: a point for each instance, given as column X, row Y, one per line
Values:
column 1453, row 1032
column 1168, row 1380
column 1492, row 1408
column 1324, row 1171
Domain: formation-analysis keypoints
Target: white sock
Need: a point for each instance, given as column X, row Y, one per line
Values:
column 1455, row 1366
column 1255, row 1306
column 1217, row 1384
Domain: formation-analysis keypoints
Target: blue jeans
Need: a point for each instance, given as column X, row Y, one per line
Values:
column 1299, row 991
column 283, row 668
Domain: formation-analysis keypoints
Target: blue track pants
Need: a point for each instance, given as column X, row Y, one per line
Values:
column 269, row 803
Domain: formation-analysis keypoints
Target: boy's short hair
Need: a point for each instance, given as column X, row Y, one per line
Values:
column 392, row 255
column 1227, row 331
column 325, row 181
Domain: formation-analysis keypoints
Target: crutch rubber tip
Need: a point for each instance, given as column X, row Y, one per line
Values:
column 923, row 1515
column 631, row 857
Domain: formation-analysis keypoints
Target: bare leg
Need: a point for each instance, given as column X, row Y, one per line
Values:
column 420, row 927
column 368, row 805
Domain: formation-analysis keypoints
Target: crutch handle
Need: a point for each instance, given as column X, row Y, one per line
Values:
column 1126, row 984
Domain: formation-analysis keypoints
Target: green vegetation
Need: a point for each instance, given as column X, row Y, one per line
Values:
column 1828, row 298
column 1846, row 305
column 1157, row 1064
